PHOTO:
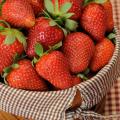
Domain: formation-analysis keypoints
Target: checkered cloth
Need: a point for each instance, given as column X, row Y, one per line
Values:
column 116, row 12
column 54, row 105
column 112, row 104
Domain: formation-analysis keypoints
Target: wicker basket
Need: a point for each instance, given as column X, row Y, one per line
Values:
column 54, row 105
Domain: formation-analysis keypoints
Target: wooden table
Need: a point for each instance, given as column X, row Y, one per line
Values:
column 6, row 116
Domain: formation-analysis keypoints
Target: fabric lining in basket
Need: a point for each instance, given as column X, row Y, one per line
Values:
column 53, row 105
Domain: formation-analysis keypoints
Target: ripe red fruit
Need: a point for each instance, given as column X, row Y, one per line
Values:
column 37, row 5
column 103, row 53
column 93, row 20
column 76, row 7
column 78, row 49
column 76, row 80
column 44, row 34
column 7, row 52
column 18, row 13
column 54, row 68
column 109, row 13
column 11, row 42
column 25, row 77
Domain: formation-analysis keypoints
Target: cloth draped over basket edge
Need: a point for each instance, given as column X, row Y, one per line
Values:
column 53, row 105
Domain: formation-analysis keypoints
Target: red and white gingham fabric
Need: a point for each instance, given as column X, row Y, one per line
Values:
column 112, row 104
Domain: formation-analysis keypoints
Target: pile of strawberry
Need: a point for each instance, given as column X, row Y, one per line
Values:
column 54, row 44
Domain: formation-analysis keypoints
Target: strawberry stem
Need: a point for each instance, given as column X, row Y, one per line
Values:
column 6, row 23
column 82, row 76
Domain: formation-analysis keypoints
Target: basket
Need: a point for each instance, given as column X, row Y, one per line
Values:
column 54, row 105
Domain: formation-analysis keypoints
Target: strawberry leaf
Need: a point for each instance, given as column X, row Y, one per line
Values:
column 71, row 25
column 5, row 23
column 15, row 66
column 1, row 28
column 20, row 37
column 111, row 36
column 10, row 39
column 57, row 46
column 82, row 76
column 39, row 49
column 46, row 14
column 34, row 61
column 68, row 15
column 86, row 72
column 56, row 7
column 100, row 1
column 96, row 1
column 7, row 69
column 65, row 7
column 16, row 57
column 49, row 6
column 65, row 31
column 87, row 1
column 52, row 23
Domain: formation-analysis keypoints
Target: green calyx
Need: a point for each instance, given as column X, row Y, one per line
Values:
column 14, row 66
column 55, row 9
column 96, row 1
column 39, row 50
column 112, row 37
column 7, row 70
column 71, row 25
column 84, row 74
column 60, row 15
column 12, row 35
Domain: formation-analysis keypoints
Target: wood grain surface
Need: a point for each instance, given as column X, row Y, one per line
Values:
column 7, row 116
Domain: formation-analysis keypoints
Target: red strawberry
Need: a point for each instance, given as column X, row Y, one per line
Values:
column 78, row 49
column 76, row 80
column 103, row 53
column 10, row 44
column 76, row 7
column 109, row 13
column 54, row 68
column 93, row 20
column 25, row 77
column 37, row 5
column 19, row 13
column 44, row 34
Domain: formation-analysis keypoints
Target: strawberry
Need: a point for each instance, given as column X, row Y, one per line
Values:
column 78, row 49
column 54, row 68
column 44, row 34
column 18, row 13
column 93, row 20
column 11, row 42
column 37, row 5
column 75, row 7
column 103, row 53
column 109, row 13
column 76, row 80
column 25, row 77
